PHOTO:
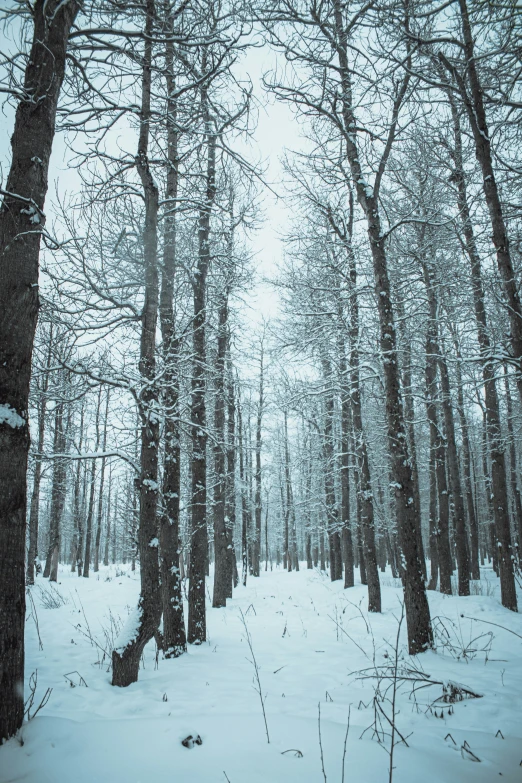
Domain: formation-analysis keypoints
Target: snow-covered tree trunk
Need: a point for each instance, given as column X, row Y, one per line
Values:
column 21, row 220
column 144, row 619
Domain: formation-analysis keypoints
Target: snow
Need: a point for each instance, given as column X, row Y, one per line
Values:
column 310, row 638
column 10, row 417
column 129, row 630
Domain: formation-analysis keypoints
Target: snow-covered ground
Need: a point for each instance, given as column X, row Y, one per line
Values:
column 310, row 638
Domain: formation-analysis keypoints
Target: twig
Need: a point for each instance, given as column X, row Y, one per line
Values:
column 348, row 635
column 35, row 618
column 33, row 682
column 256, row 669
column 346, row 741
column 394, row 696
column 488, row 622
column 321, row 743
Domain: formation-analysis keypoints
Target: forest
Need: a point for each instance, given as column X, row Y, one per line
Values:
column 260, row 391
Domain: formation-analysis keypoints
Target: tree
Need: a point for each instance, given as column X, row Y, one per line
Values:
column 21, row 227
column 145, row 619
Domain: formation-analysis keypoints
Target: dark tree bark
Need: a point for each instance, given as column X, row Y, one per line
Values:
column 437, row 441
column 21, row 217
column 144, row 621
column 34, row 512
column 108, row 522
column 90, row 511
column 433, row 527
column 346, row 533
column 101, row 498
column 472, row 96
column 221, row 563
column 58, row 492
column 409, row 415
column 466, row 469
column 197, row 632
column 267, row 553
column 174, row 636
column 230, row 517
column 454, row 479
column 451, row 458
column 364, row 489
column 77, row 543
column 418, row 620
column 243, row 501
column 257, row 499
column 517, row 503
column 332, row 513
column 494, row 435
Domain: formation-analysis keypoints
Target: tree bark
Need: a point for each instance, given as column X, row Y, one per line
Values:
column 90, row 511
column 346, row 424
column 57, row 493
column 494, row 435
column 364, row 488
column 418, row 620
column 466, row 469
column 102, row 485
column 174, row 636
column 34, row 512
column 437, row 442
column 517, row 503
column 197, row 632
column 409, row 415
column 230, row 518
column 473, row 101
column 243, row 501
column 257, row 499
column 21, row 218
column 144, row 621
column 77, row 542
column 221, row 564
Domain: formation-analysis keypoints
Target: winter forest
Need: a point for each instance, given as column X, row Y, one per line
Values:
column 260, row 391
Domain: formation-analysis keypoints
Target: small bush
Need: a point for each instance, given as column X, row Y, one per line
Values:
column 50, row 597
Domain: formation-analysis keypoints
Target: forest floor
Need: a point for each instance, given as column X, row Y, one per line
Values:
column 311, row 639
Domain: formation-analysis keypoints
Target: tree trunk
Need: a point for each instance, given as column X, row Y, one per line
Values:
column 437, row 444
column 90, row 512
column 494, row 435
column 346, row 424
column 517, row 503
column 35, row 497
column 418, row 620
column 454, row 478
column 409, row 415
column 108, row 524
column 77, row 542
column 434, row 539
column 332, row 513
column 221, row 564
column 230, row 518
column 144, row 620
column 174, row 636
column 473, row 101
column 466, row 469
column 21, row 215
column 244, row 512
column 57, row 493
column 365, row 489
column 197, row 632
column 257, row 499
column 100, row 494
